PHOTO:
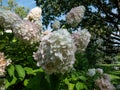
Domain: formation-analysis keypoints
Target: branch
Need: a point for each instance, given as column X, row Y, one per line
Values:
column 109, row 41
column 108, row 51
column 115, row 38
column 116, row 35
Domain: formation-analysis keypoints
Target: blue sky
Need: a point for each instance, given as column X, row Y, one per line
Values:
column 26, row 3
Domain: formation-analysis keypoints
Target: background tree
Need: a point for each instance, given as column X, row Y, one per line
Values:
column 101, row 19
column 13, row 6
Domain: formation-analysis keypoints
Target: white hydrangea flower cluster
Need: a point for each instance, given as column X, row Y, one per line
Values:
column 74, row 17
column 7, row 18
column 104, row 83
column 39, row 25
column 56, row 52
column 27, row 31
column 34, row 14
column 56, row 25
column 93, row 71
column 99, row 70
column 81, row 39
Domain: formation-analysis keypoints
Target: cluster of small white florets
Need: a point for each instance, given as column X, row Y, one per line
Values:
column 93, row 71
column 81, row 39
column 27, row 31
column 56, row 52
column 56, row 25
column 8, row 18
column 104, row 83
column 74, row 17
column 34, row 14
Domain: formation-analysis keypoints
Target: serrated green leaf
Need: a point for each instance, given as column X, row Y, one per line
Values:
column 11, row 70
column 80, row 86
column 71, row 86
column 7, row 84
column 21, row 72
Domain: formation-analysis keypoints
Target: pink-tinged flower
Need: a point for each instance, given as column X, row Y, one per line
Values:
column 81, row 39
column 74, row 17
column 56, row 52
column 104, row 83
column 56, row 25
column 34, row 14
column 27, row 32
column 7, row 18
column 3, row 63
column 99, row 70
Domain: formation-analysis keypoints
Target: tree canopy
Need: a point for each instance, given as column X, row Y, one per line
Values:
column 102, row 18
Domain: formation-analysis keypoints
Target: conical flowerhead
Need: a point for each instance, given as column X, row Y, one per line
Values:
column 56, row 52
column 74, row 17
column 27, row 32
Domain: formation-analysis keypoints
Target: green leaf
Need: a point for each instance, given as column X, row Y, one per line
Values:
column 38, row 70
column 11, row 70
column 74, row 78
column 66, row 81
column 38, row 82
column 26, row 81
column 14, row 40
column 7, row 83
column 115, row 72
column 80, row 86
column 13, row 80
column 29, row 70
column 83, row 78
column 21, row 72
column 2, row 46
column 113, row 77
column 109, row 65
column 71, row 86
